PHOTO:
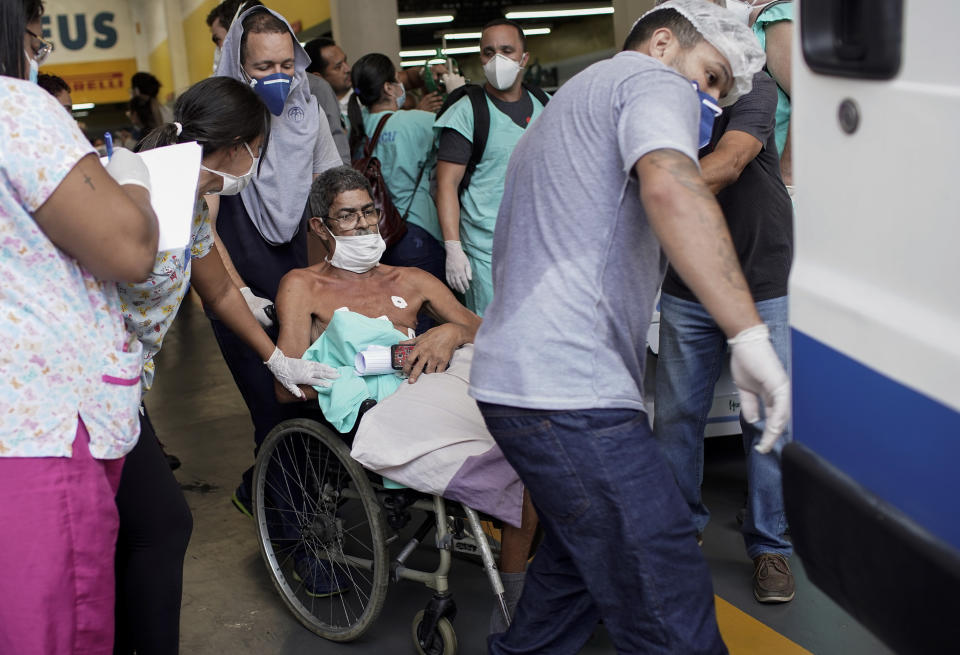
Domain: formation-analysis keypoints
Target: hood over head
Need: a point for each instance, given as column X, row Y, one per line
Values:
column 277, row 196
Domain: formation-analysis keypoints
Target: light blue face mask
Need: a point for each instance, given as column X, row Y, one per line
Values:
column 402, row 98
column 273, row 90
column 34, row 67
column 709, row 112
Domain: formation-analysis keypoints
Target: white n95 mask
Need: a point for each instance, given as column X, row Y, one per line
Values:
column 232, row 185
column 501, row 71
column 358, row 253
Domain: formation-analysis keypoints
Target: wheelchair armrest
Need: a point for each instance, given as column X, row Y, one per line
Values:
column 365, row 406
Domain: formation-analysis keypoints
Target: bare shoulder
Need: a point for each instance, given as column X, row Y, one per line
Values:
column 298, row 280
column 416, row 277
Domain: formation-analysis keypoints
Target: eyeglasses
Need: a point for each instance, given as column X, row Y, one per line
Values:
column 46, row 47
column 350, row 221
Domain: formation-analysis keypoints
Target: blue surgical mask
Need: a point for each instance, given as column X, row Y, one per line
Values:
column 709, row 112
column 402, row 98
column 273, row 90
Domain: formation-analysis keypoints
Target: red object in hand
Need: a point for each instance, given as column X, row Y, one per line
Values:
column 399, row 354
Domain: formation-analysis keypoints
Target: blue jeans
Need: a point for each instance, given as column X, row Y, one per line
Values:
column 692, row 350
column 619, row 543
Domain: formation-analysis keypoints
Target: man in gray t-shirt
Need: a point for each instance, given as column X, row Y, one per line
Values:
column 596, row 186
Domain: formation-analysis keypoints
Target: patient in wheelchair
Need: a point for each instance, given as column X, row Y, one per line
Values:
column 425, row 432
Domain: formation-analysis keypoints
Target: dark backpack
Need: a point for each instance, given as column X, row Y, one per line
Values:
column 392, row 226
column 481, row 121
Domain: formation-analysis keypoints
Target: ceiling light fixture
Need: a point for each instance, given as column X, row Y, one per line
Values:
column 421, row 62
column 425, row 20
column 466, row 50
column 418, row 53
column 464, row 36
column 82, row 105
column 558, row 12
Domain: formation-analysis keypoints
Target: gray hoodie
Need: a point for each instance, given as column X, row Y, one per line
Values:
column 300, row 145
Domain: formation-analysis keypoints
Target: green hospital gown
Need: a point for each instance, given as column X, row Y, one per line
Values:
column 347, row 334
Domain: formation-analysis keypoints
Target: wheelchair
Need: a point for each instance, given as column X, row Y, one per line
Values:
column 314, row 503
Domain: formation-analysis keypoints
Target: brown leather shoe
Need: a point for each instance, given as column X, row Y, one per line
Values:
column 772, row 579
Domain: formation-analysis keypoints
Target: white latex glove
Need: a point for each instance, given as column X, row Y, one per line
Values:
column 257, row 306
column 758, row 374
column 290, row 372
column 452, row 81
column 459, row 272
column 127, row 168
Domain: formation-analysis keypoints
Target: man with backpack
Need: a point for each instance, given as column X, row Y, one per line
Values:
column 478, row 129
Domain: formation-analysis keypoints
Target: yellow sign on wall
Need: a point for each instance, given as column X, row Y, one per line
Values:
column 97, row 82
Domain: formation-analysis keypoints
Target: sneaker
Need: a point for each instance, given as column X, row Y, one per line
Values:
column 316, row 578
column 772, row 579
column 242, row 501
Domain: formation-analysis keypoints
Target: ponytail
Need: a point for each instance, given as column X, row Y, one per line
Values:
column 368, row 75
column 218, row 112
column 158, row 137
column 357, row 132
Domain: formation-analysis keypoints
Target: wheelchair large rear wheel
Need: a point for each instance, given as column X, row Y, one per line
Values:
column 320, row 529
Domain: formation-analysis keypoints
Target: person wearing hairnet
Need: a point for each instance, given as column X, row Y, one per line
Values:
column 558, row 369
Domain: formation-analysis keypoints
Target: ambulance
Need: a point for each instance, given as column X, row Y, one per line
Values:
column 872, row 480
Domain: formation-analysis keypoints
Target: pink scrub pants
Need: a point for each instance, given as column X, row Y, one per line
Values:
column 58, row 532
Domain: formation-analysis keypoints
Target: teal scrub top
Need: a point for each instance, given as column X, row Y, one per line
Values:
column 480, row 203
column 405, row 145
column 775, row 14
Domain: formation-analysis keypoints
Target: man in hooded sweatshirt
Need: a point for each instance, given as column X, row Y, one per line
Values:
column 262, row 215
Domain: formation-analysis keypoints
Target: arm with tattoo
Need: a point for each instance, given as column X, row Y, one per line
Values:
column 687, row 220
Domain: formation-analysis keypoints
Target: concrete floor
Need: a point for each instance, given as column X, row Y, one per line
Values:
column 230, row 606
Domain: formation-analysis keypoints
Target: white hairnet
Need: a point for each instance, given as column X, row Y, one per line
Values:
column 721, row 28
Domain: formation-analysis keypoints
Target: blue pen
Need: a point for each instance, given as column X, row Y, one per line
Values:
column 109, row 140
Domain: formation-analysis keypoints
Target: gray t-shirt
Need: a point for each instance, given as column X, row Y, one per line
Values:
column 327, row 100
column 576, row 265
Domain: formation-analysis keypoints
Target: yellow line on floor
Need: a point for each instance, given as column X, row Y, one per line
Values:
column 744, row 635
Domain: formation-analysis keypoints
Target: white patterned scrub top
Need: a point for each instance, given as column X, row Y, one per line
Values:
column 64, row 351
column 149, row 307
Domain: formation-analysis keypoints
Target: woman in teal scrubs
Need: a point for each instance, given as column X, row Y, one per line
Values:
column 407, row 157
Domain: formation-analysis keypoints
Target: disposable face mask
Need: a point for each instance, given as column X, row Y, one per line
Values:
column 34, row 67
column 232, row 185
column 217, row 53
column 402, row 98
column 741, row 9
column 709, row 112
column 501, row 72
column 273, row 90
column 358, row 253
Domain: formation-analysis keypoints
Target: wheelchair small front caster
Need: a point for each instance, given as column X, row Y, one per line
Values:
column 441, row 641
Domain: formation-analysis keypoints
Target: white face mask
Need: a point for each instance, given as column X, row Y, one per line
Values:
column 217, row 53
column 501, row 71
column 357, row 253
column 741, row 9
column 232, row 184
